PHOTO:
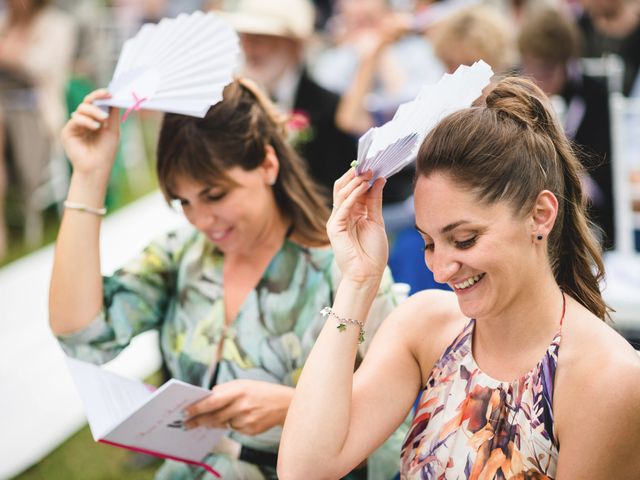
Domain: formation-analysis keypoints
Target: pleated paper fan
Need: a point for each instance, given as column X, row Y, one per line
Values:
column 388, row 149
column 179, row 65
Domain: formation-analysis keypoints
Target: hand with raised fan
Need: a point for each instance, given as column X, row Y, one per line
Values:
column 180, row 65
column 388, row 149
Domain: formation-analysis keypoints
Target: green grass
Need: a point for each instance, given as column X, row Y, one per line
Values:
column 80, row 458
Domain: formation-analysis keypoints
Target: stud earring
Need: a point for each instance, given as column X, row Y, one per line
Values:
column 539, row 237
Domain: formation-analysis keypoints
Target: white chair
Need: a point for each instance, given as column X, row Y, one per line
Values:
column 625, row 146
column 622, row 266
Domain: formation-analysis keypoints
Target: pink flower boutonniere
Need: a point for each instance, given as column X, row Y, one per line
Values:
column 299, row 128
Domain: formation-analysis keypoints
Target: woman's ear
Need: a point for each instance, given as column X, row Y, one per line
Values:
column 270, row 165
column 544, row 214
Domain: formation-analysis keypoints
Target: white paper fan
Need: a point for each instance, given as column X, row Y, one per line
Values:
column 179, row 65
column 388, row 149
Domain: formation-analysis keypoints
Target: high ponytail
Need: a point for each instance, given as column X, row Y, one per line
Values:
column 510, row 149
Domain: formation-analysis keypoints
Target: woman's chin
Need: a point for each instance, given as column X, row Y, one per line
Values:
column 469, row 309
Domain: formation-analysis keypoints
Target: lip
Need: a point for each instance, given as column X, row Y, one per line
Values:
column 463, row 291
column 219, row 236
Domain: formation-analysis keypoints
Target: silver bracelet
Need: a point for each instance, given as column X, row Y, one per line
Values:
column 342, row 322
column 101, row 212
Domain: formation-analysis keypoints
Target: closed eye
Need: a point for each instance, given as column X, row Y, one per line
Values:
column 215, row 198
column 464, row 244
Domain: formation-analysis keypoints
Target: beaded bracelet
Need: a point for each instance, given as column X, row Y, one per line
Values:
column 342, row 322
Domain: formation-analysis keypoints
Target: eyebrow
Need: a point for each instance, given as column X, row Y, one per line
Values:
column 447, row 229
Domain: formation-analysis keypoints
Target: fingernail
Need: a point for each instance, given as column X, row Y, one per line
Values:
column 104, row 115
column 96, row 124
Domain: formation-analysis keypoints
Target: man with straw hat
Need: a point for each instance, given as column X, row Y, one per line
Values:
column 273, row 36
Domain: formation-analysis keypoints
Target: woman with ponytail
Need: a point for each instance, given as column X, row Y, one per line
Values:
column 236, row 297
column 517, row 374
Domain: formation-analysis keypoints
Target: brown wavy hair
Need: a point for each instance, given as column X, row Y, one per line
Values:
column 234, row 133
column 510, row 149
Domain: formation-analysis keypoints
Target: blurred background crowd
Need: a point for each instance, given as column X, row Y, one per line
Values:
column 336, row 68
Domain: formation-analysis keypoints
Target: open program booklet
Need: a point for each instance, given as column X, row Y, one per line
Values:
column 128, row 413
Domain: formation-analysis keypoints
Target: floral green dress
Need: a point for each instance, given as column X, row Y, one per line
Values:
column 176, row 286
column 470, row 426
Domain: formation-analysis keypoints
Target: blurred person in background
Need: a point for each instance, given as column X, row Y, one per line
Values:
column 463, row 37
column 37, row 45
column 549, row 44
column 354, row 30
column 378, row 62
column 517, row 10
column 236, row 297
column 273, row 36
column 613, row 27
column 472, row 34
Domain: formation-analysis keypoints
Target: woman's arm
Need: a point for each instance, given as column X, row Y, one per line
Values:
column 375, row 59
column 351, row 114
column 336, row 419
column 90, row 139
column 329, row 427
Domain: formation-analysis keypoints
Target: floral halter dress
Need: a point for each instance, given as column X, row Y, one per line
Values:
column 469, row 426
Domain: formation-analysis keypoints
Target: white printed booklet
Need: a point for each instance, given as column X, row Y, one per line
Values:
column 128, row 413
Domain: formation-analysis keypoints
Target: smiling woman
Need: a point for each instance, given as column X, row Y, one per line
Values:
column 500, row 365
column 242, row 151
column 237, row 298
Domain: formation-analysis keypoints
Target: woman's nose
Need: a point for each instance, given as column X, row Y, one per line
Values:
column 443, row 266
column 202, row 218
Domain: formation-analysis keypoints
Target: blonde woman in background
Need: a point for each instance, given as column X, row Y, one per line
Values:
column 472, row 34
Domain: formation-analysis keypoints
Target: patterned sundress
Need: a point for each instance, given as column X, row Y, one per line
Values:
column 469, row 426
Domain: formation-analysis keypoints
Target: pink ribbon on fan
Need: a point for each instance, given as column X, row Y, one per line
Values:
column 135, row 107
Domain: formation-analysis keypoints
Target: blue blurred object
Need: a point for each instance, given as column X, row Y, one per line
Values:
column 406, row 261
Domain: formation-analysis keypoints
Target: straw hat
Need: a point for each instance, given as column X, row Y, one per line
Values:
column 281, row 18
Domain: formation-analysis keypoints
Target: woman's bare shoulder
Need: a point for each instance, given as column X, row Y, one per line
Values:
column 591, row 345
column 593, row 358
column 431, row 320
column 431, row 307
column 597, row 390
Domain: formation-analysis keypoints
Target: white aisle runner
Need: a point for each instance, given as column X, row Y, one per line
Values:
column 38, row 402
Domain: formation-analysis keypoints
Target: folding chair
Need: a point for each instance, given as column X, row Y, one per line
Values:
column 625, row 124
column 622, row 265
